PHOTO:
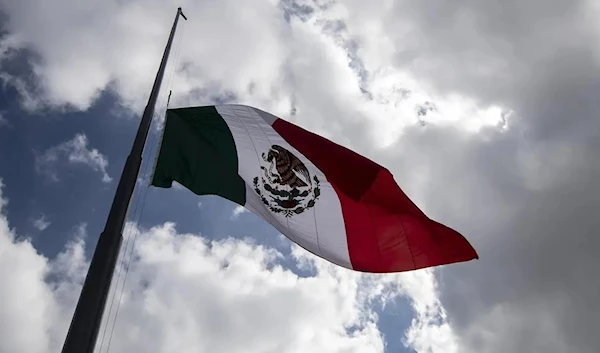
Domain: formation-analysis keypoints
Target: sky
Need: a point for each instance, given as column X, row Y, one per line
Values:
column 485, row 112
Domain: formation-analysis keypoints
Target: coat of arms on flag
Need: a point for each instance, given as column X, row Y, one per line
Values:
column 286, row 186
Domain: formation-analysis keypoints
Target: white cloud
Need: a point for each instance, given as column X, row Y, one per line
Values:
column 185, row 292
column 41, row 223
column 33, row 312
column 316, row 64
column 237, row 211
column 177, row 186
column 74, row 151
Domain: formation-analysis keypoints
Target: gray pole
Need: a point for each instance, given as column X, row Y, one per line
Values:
column 85, row 324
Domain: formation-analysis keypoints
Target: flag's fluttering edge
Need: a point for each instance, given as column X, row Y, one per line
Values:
column 331, row 201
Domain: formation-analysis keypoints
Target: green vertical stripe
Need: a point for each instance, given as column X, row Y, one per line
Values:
column 198, row 151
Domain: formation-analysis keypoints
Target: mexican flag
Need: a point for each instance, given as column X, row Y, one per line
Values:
column 329, row 200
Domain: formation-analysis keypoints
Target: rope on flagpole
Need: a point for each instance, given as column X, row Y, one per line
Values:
column 140, row 202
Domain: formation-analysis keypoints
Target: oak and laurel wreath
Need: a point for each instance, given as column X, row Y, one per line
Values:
column 289, row 196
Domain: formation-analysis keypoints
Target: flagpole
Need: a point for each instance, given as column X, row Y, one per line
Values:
column 83, row 332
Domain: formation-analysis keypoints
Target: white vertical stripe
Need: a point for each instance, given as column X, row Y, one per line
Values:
column 320, row 229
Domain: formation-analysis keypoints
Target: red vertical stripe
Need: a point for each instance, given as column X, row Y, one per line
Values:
column 385, row 230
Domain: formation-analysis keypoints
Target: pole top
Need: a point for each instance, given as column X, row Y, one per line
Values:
column 181, row 13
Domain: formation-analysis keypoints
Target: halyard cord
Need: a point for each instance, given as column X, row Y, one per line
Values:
column 137, row 216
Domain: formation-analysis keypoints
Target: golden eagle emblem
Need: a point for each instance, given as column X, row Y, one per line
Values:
column 287, row 186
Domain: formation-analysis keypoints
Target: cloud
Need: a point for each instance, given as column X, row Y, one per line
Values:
column 74, row 151
column 177, row 186
column 3, row 121
column 237, row 211
column 41, row 223
column 526, row 195
column 315, row 61
column 188, row 292
column 33, row 311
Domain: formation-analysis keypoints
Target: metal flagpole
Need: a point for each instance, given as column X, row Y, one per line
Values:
column 82, row 334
